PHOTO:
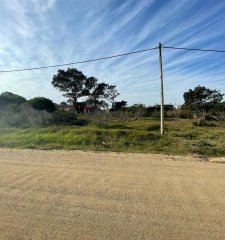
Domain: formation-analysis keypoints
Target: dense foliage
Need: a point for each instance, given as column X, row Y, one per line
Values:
column 41, row 103
column 8, row 98
column 141, row 135
column 200, row 104
column 74, row 85
column 202, row 98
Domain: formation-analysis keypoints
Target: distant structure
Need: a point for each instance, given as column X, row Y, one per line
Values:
column 82, row 107
column 156, row 107
column 65, row 107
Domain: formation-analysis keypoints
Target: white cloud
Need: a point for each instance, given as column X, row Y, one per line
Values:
column 41, row 32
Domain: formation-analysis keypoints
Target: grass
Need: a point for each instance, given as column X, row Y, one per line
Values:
column 181, row 137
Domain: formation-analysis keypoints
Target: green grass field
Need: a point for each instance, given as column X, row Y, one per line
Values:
column 181, row 137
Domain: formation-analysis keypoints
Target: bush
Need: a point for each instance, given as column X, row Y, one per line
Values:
column 26, row 116
column 63, row 118
column 137, row 111
column 218, row 116
column 123, row 117
column 155, row 114
column 42, row 104
column 100, row 118
column 202, row 122
column 179, row 113
column 23, row 116
column 8, row 98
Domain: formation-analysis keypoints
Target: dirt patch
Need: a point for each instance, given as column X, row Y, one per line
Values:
column 96, row 195
column 217, row 160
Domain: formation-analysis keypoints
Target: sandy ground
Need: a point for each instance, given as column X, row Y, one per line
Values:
column 87, row 195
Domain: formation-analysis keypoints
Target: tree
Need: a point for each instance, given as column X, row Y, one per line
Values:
column 101, row 93
column 111, row 93
column 119, row 106
column 73, row 83
column 7, row 98
column 201, row 98
column 96, row 92
column 41, row 103
column 63, row 103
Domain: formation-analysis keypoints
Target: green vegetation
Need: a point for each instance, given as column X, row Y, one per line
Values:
column 196, row 128
column 182, row 137
column 74, row 85
column 8, row 98
column 203, row 99
column 42, row 104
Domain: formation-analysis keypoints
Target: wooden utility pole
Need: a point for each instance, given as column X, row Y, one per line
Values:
column 161, row 91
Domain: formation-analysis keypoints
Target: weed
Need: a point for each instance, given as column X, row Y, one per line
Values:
column 142, row 135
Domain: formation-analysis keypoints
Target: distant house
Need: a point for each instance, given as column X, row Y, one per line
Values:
column 82, row 107
column 66, row 108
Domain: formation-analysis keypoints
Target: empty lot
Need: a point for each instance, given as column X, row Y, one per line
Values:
column 87, row 195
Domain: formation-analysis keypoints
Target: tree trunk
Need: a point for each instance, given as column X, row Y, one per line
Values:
column 75, row 105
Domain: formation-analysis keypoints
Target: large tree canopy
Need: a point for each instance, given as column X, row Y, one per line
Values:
column 75, row 85
column 111, row 94
column 102, row 94
column 117, row 106
column 7, row 98
column 72, row 83
column 201, row 98
column 41, row 103
column 97, row 95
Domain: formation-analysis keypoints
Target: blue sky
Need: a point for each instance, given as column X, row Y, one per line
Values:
column 45, row 32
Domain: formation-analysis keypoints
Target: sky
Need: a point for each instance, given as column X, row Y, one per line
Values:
column 38, row 33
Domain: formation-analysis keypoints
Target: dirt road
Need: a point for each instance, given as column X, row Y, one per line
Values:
column 86, row 195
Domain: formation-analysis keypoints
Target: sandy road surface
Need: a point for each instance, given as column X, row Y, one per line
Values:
column 86, row 195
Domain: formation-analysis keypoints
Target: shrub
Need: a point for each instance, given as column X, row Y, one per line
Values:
column 23, row 116
column 100, row 118
column 122, row 116
column 202, row 122
column 155, row 114
column 63, row 118
column 41, row 103
column 179, row 113
column 218, row 116
column 8, row 98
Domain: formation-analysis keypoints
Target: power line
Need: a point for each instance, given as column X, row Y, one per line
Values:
column 110, row 57
column 195, row 49
column 79, row 62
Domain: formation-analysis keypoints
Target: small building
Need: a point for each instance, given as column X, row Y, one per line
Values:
column 169, row 107
column 66, row 108
column 82, row 107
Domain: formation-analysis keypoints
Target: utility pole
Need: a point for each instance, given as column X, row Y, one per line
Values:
column 161, row 91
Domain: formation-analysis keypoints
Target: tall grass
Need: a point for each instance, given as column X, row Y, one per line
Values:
column 142, row 135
